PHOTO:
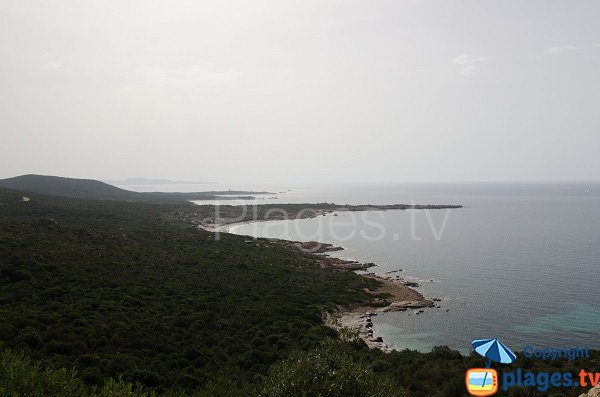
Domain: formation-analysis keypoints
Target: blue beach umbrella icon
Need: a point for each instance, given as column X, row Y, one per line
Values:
column 494, row 350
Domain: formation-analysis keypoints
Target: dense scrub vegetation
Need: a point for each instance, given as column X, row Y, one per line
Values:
column 334, row 368
column 111, row 289
column 104, row 298
column 19, row 376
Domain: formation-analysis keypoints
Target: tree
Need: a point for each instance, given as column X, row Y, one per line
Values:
column 328, row 371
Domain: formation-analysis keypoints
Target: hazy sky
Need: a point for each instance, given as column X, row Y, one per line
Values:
column 279, row 90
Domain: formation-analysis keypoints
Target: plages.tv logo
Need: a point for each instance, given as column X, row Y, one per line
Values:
column 484, row 381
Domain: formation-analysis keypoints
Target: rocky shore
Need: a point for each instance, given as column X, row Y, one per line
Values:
column 326, row 261
column 594, row 392
column 358, row 318
column 400, row 293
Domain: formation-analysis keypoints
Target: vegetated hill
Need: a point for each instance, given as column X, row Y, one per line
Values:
column 114, row 289
column 95, row 190
column 70, row 187
column 123, row 290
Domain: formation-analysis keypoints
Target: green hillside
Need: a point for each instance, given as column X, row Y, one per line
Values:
column 70, row 187
column 114, row 290
column 95, row 190
column 97, row 297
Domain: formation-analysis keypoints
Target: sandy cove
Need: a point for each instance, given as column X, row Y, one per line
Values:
column 358, row 318
column 224, row 225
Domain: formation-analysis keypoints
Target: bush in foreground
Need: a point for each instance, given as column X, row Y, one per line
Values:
column 19, row 376
column 328, row 371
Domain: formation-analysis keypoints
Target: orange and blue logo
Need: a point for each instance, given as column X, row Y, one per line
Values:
column 482, row 381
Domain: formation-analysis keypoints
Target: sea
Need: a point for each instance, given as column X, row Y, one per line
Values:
column 519, row 262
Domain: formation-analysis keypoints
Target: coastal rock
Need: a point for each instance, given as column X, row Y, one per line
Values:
column 379, row 303
column 342, row 264
column 595, row 392
column 411, row 284
column 317, row 247
column 356, row 317
column 335, row 249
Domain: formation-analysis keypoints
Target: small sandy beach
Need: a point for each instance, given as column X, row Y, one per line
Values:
column 358, row 318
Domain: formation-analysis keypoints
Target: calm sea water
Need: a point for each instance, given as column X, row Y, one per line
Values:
column 520, row 262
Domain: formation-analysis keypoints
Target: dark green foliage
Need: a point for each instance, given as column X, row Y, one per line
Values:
column 126, row 291
column 113, row 289
column 334, row 368
column 70, row 187
column 331, row 370
column 441, row 372
column 19, row 376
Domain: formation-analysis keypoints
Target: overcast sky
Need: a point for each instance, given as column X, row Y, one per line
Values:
column 279, row 90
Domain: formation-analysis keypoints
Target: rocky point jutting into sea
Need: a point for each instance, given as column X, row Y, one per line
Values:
column 399, row 294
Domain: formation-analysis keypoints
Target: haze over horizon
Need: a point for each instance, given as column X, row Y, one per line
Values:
column 300, row 91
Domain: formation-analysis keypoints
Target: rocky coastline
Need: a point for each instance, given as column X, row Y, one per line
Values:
column 400, row 293
column 357, row 318
column 593, row 392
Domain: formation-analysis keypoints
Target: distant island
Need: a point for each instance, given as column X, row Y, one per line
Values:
column 140, row 181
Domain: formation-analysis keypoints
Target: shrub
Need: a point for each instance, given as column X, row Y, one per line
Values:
column 327, row 371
